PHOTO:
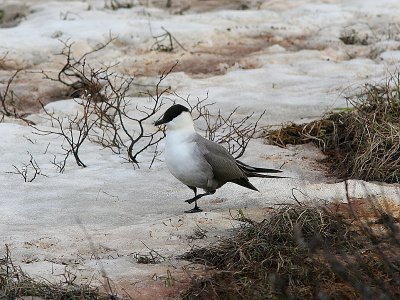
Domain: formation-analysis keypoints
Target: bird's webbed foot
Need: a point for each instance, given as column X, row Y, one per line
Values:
column 195, row 209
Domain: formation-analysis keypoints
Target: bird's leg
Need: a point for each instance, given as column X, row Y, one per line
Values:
column 197, row 197
column 195, row 209
column 194, row 199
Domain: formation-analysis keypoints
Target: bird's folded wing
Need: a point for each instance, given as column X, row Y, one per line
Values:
column 222, row 162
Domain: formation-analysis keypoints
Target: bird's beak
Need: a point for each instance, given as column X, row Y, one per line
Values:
column 159, row 122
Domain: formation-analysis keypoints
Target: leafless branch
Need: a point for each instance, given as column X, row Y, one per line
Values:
column 109, row 118
column 74, row 73
column 73, row 129
column 234, row 133
column 60, row 165
column 8, row 101
column 164, row 42
column 28, row 171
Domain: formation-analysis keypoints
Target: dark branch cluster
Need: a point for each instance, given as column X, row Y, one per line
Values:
column 165, row 42
column 79, row 76
column 73, row 129
column 120, row 124
column 107, row 116
column 8, row 101
column 29, row 171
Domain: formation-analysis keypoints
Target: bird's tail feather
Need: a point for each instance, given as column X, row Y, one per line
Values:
column 246, row 168
column 252, row 174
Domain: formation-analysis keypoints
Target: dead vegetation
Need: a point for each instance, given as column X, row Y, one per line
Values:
column 152, row 257
column 118, row 4
column 16, row 284
column 28, row 171
column 353, row 37
column 9, row 101
column 335, row 251
column 165, row 41
column 78, row 75
column 12, row 14
column 363, row 141
column 118, row 123
column 107, row 116
column 180, row 7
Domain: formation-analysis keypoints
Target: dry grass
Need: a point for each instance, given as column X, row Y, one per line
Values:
column 362, row 142
column 336, row 251
column 15, row 284
column 304, row 252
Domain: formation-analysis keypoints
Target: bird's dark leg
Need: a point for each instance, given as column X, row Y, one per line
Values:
column 194, row 199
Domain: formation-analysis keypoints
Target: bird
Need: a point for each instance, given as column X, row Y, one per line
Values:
column 201, row 163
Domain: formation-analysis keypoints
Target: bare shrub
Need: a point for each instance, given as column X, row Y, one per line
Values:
column 121, row 124
column 106, row 111
column 78, row 75
column 8, row 101
column 74, row 130
column 112, row 120
column 60, row 164
column 165, row 42
column 28, row 171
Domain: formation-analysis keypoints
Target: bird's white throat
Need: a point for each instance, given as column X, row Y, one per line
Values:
column 178, row 144
column 182, row 123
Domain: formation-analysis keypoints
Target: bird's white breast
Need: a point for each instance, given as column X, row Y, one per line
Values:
column 183, row 159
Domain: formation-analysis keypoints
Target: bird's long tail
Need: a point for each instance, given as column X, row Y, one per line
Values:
column 255, row 172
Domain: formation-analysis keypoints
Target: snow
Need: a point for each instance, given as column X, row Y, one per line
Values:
column 109, row 209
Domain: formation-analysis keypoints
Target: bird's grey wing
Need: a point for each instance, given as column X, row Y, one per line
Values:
column 223, row 164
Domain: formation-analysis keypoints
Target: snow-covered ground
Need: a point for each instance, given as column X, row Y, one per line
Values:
column 285, row 57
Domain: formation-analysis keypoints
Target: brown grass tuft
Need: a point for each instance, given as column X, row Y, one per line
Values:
column 303, row 252
column 362, row 142
column 16, row 284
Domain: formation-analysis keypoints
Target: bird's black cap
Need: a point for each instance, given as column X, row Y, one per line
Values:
column 171, row 113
